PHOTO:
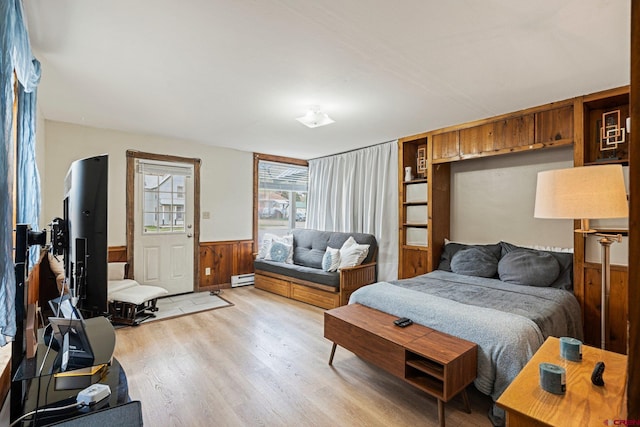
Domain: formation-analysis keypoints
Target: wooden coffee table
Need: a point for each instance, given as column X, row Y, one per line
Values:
column 438, row 364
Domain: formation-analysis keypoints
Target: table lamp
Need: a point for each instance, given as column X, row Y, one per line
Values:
column 588, row 192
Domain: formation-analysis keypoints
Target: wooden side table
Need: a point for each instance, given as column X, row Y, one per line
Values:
column 584, row 404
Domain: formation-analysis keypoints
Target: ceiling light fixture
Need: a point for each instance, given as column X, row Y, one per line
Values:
column 315, row 118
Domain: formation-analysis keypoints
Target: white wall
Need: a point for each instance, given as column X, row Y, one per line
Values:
column 226, row 177
column 492, row 199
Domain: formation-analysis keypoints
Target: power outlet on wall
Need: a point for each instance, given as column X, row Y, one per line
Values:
column 207, row 271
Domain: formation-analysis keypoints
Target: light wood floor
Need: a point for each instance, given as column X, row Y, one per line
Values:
column 263, row 362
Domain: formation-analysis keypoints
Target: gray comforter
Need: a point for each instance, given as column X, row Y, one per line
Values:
column 508, row 322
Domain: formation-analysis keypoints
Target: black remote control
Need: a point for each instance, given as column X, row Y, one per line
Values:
column 596, row 376
column 403, row 322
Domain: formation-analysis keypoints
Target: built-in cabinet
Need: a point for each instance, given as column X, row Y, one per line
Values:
column 547, row 126
column 421, row 224
column 612, row 107
column 575, row 122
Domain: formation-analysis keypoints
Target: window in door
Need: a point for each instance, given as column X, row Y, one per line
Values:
column 163, row 198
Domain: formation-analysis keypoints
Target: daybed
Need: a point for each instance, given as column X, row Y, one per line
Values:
column 505, row 298
column 292, row 266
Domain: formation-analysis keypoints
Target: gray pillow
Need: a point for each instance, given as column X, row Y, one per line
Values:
column 451, row 248
column 529, row 268
column 474, row 262
column 565, row 261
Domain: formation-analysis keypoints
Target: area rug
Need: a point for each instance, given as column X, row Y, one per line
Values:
column 179, row 305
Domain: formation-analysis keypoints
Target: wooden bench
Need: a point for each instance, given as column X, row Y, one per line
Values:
column 438, row 364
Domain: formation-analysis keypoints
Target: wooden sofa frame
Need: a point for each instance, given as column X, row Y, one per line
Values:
column 317, row 294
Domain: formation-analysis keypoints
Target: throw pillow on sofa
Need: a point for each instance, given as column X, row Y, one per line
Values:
column 280, row 252
column 267, row 242
column 352, row 253
column 331, row 259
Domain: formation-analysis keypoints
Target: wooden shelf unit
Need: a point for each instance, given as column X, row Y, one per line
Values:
column 586, row 275
column 418, row 238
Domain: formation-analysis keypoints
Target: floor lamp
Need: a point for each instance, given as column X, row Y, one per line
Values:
column 588, row 192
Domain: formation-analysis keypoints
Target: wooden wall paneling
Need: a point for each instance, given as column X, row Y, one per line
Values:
column 117, row 254
column 618, row 312
column 224, row 259
column 222, row 269
column 618, row 307
column 633, row 291
column 206, row 261
column 414, row 262
column 439, row 210
column 476, row 140
column 446, row 147
column 513, row 132
column 578, row 239
column 554, row 125
column 243, row 257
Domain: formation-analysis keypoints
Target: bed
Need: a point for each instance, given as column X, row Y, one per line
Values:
column 505, row 298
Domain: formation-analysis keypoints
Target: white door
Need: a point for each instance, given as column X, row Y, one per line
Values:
column 163, row 225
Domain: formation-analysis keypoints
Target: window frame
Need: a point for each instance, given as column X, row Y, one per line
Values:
column 257, row 157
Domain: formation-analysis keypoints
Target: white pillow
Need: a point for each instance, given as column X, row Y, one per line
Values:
column 267, row 242
column 331, row 259
column 116, row 270
column 352, row 253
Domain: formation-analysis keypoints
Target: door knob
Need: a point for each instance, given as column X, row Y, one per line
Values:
column 189, row 235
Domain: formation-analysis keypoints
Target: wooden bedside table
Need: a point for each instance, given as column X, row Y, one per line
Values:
column 584, row 404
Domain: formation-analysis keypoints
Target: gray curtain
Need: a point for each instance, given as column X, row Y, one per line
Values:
column 15, row 56
column 358, row 192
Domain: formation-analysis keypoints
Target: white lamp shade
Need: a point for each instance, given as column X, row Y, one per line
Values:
column 588, row 192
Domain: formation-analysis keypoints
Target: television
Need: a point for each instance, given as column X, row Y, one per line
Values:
column 85, row 222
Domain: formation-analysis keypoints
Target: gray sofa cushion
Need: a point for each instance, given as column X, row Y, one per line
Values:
column 309, row 246
column 315, row 275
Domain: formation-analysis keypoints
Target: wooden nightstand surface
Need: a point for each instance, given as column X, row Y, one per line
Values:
column 526, row 403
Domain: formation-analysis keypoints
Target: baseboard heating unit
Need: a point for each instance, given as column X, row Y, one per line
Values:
column 241, row 280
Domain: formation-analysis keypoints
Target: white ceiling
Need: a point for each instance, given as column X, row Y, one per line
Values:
column 236, row 73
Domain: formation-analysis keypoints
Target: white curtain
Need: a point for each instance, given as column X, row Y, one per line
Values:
column 358, row 192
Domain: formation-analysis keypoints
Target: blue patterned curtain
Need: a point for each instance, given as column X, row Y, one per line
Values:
column 15, row 55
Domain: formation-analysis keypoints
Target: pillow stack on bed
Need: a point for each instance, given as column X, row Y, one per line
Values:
column 510, row 263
